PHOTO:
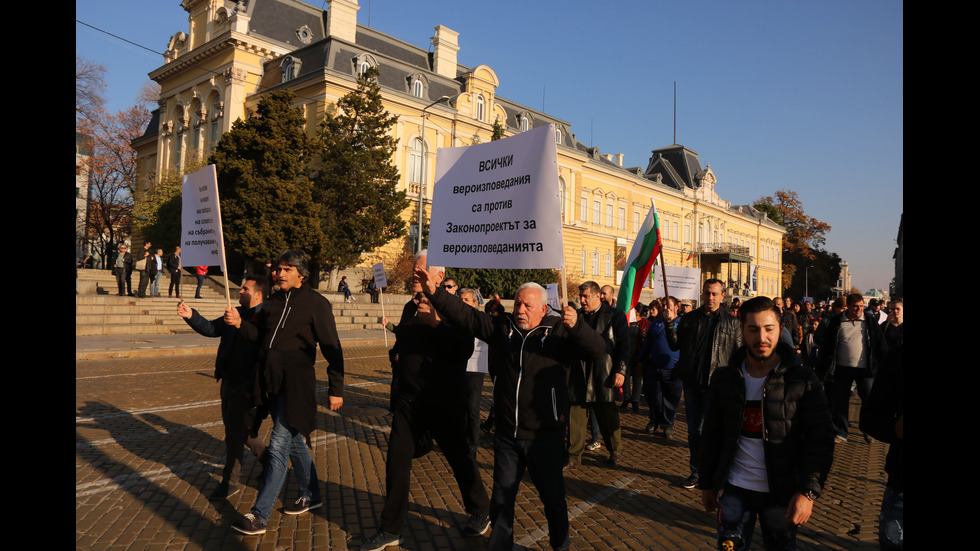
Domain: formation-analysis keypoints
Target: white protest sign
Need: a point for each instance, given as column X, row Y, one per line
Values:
column 380, row 280
column 201, row 241
column 496, row 205
column 683, row 283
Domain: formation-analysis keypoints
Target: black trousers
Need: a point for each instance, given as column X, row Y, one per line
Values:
column 241, row 427
column 445, row 423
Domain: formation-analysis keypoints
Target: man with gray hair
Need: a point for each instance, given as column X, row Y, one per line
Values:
column 534, row 350
column 428, row 386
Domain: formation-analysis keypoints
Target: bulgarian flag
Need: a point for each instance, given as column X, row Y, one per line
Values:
column 645, row 251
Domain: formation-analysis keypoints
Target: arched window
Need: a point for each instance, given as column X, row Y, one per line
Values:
column 215, row 114
column 558, row 135
column 417, row 89
column 480, row 108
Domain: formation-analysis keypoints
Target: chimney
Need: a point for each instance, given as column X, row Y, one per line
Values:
column 619, row 159
column 342, row 19
column 446, row 44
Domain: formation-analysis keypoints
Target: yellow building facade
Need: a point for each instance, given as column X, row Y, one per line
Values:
column 217, row 71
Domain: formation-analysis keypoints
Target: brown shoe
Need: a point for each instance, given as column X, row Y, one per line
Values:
column 615, row 459
column 571, row 464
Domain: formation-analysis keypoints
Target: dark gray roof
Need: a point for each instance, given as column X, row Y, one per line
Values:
column 677, row 165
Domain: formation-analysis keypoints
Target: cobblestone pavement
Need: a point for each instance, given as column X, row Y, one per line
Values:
column 148, row 450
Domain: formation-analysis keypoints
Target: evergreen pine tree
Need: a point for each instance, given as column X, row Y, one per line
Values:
column 266, row 194
column 356, row 181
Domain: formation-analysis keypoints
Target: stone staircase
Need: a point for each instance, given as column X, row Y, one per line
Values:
column 100, row 311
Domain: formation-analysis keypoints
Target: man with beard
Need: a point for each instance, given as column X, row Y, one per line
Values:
column 767, row 438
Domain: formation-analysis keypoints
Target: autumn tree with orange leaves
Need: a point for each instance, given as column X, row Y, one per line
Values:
column 802, row 245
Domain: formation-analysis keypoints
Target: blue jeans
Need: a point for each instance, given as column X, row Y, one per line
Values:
column 737, row 511
column 891, row 525
column 663, row 391
column 285, row 442
column 543, row 458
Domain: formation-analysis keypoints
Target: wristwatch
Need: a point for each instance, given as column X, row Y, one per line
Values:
column 811, row 495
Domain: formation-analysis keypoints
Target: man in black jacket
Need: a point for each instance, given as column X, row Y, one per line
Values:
column 883, row 417
column 234, row 366
column 288, row 329
column 174, row 267
column 534, row 351
column 429, row 383
column 592, row 383
column 768, row 442
column 706, row 339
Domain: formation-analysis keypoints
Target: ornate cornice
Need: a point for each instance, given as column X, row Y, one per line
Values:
column 192, row 60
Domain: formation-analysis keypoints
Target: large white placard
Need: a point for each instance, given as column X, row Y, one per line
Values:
column 682, row 283
column 201, row 241
column 496, row 205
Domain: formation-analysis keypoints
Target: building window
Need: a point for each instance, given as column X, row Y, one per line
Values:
column 608, row 265
column 584, row 261
column 675, row 234
column 609, row 215
column 524, row 124
column 480, row 108
column 558, row 136
column 290, row 68
column 561, row 196
column 415, row 161
column 584, row 209
column 596, row 212
column 622, row 218
column 636, row 222
column 215, row 114
column 417, row 89
column 595, row 263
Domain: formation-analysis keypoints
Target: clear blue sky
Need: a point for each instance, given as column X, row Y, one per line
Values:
column 803, row 96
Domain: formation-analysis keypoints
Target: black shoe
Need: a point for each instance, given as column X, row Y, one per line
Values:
column 691, row 481
column 570, row 464
column 250, row 525
column 476, row 526
column 223, row 491
column 651, row 428
column 301, row 506
column 380, row 541
column 668, row 433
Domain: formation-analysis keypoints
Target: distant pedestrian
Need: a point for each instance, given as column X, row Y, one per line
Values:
column 176, row 269
column 122, row 267
column 201, row 272
column 156, row 272
column 143, row 266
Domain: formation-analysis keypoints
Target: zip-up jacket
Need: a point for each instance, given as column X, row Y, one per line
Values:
column 703, row 353
column 288, row 328
column 530, row 395
column 798, row 436
column 875, row 344
column 236, row 356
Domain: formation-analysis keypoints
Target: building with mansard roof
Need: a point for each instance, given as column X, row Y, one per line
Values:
column 217, row 70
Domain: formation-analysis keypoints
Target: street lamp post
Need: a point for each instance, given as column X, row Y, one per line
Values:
column 806, row 281
column 418, row 243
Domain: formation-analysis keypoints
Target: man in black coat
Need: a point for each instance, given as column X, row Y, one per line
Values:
column 288, row 329
column 428, row 401
column 174, row 267
column 593, row 383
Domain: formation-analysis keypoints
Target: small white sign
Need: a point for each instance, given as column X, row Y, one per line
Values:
column 201, row 241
